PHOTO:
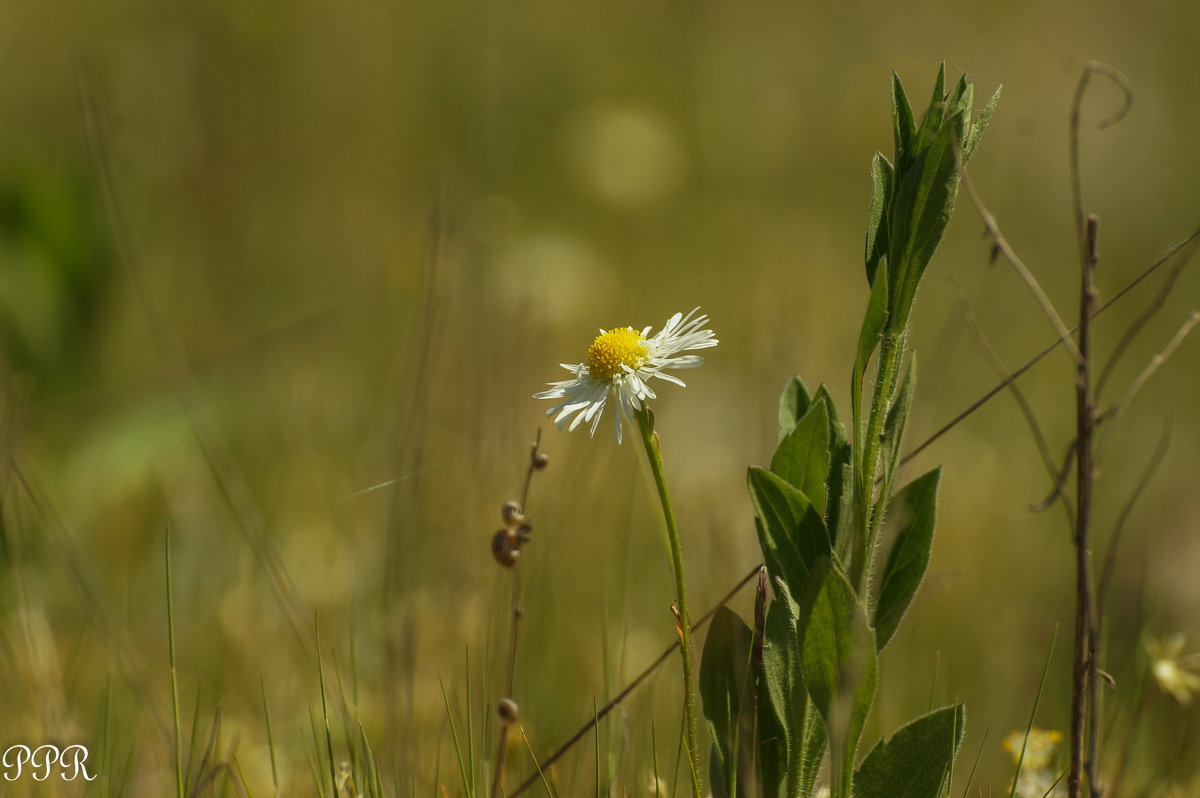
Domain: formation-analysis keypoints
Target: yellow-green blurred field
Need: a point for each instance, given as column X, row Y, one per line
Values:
column 359, row 236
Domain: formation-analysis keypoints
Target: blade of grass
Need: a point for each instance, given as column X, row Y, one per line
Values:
column 195, row 735
column 470, row 772
column 1050, row 790
column 313, row 765
column 270, row 738
column 1036, row 701
column 174, row 679
column 546, row 784
column 106, row 738
column 325, row 712
column 462, row 767
column 654, row 757
column 242, row 783
column 974, row 765
column 596, row 737
column 374, row 781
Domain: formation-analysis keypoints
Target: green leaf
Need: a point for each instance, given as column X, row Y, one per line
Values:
column 790, row 531
column 783, row 700
column 981, row 122
column 939, row 87
column 839, row 665
column 924, row 202
column 903, row 125
column 893, row 432
column 792, row 727
column 878, row 220
column 933, row 119
column 838, row 486
column 772, row 747
column 802, row 457
column 718, row 777
column 725, row 681
column 916, row 507
column 840, row 525
column 915, row 762
column 837, row 430
column 793, row 404
column 961, row 98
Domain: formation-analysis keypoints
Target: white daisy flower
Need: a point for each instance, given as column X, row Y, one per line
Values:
column 621, row 361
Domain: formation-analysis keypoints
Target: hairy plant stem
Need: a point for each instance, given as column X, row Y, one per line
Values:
column 891, row 353
column 645, row 421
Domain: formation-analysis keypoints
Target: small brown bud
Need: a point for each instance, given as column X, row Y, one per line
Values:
column 504, row 548
column 540, row 461
column 511, row 513
column 508, row 710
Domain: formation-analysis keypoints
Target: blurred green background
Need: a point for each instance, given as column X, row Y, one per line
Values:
column 369, row 232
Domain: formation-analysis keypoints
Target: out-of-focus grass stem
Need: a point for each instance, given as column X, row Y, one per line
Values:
column 270, row 739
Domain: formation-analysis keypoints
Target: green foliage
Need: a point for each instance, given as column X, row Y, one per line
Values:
column 878, row 220
column 723, row 683
column 802, row 457
column 793, row 404
column 916, row 505
column 819, row 509
column 922, row 184
column 790, row 530
column 839, row 664
column 726, row 688
column 915, row 761
column 793, row 718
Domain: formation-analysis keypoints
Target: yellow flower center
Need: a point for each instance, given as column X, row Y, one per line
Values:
column 620, row 346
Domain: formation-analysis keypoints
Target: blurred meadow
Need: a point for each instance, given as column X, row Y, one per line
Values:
column 349, row 241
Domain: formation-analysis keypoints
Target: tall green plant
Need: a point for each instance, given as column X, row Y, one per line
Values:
column 805, row 678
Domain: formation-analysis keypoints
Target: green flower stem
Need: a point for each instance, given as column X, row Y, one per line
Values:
column 645, row 422
column 891, row 353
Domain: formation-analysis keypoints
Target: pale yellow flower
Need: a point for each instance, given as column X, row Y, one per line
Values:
column 1039, row 750
column 1173, row 672
column 1037, row 766
column 656, row 787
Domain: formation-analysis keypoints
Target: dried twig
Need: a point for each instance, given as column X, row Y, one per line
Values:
column 508, row 707
column 1064, row 335
column 1060, row 484
column 1165, row 258
column 1122, row 82
column 1110, row 557
column 1035, row 429
column 1083, row 671
column 1148, row 313
column 1155, row 363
